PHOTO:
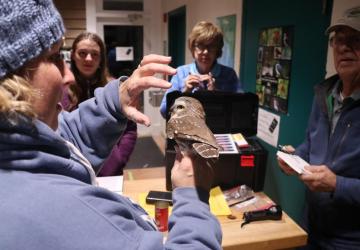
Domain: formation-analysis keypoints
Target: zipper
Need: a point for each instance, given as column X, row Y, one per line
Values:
column 348, row 126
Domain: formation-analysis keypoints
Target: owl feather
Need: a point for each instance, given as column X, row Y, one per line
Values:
column 188, row 128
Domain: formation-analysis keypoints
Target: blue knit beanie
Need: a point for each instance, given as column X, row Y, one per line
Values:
column 27, row 28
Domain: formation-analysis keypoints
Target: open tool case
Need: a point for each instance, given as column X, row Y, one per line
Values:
column 228, row 113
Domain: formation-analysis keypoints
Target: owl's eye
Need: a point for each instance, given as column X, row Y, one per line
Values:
column 180, row 107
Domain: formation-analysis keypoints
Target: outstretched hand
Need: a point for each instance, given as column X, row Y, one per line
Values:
column 143, row 78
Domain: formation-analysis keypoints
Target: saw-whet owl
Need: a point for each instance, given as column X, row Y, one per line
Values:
column 188, row 128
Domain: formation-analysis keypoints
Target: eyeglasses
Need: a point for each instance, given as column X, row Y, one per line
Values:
column 201, row 48
column 352, row 41
column 83, row 54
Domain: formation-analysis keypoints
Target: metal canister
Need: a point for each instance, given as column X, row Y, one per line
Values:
column 161, row 215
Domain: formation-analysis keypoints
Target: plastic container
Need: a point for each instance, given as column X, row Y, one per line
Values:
column 161, row 215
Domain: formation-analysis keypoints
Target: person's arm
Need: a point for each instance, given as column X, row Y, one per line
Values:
column 191, row 222
column 121, row 152
column 347, row 190
column 342, row 189
column 96, row 125
column 235, row 82
column 98, row 122
column 228, row 81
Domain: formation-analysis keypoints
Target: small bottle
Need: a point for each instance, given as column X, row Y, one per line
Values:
column 161, row 215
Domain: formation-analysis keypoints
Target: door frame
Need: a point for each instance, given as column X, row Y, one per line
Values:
column 179, row 56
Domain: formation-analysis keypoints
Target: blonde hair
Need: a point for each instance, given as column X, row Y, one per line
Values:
column 206, row 33
column 15, row 97
column 16, row 92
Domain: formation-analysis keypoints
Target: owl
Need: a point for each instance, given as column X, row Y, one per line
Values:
column 188, row 128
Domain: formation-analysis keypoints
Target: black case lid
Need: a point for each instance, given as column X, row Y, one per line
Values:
column 225, row 112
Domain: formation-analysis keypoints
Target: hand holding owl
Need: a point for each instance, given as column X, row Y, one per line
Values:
column 191, row 171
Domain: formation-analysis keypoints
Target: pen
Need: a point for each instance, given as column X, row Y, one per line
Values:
column 282, row 148
column 246, row 199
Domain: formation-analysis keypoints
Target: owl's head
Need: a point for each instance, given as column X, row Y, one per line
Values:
column 188, row 106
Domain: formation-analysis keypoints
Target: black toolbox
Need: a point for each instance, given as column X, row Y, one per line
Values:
column 228, row 113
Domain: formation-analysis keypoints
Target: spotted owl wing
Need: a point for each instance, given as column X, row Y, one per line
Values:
column 206, row 150
column 190, row 128
column 193, row 129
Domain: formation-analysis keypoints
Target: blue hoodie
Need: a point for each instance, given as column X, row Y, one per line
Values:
column 48, row 202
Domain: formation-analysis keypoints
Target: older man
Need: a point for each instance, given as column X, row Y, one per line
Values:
column 332, row 213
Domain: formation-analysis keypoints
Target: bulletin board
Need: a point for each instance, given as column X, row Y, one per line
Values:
column 273, row 67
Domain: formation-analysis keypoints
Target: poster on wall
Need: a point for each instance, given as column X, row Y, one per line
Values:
column 273, row 67
column 227, row 24
column 124, row 53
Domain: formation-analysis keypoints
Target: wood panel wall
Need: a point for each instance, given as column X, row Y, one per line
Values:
column 74, row 16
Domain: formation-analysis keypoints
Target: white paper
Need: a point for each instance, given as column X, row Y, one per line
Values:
column 268, row 127
column 112, row 183
column 294, row 161
column 124, row 53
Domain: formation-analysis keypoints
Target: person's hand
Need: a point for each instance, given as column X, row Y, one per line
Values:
column 283, row 166
column 320, row 179
column 194, row 81
column 191, row 82
column 210, row 81
column 191, row 170
column 143, row 78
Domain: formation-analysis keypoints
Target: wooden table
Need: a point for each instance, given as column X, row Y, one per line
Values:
column 256, row 235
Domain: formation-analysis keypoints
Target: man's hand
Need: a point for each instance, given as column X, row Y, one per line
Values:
column 143, row 78
column 283, row 166
column 321, row 179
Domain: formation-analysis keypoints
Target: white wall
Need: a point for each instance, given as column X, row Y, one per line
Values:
column 152, row 45
column 339, row 7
